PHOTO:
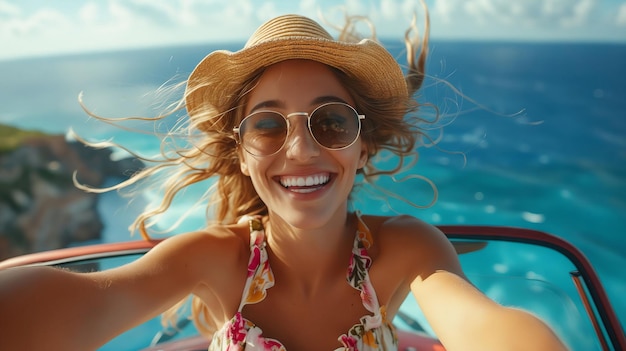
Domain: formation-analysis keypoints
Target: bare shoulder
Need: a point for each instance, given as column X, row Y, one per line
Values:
column 405, row 230
column 196, row 252
column 411, row 240
column 214, row 240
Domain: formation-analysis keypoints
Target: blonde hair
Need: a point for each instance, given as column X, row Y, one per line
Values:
column 212, row 151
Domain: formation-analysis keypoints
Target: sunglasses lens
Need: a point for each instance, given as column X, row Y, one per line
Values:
column 335, row 126
column 263, row 133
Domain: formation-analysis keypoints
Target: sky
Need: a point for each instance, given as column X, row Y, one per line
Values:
column 41, row 27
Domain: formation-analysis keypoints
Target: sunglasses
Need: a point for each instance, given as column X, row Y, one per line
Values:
column 333, row 125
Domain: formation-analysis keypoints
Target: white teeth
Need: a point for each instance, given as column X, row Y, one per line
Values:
column 303, row 190
column 313, row 180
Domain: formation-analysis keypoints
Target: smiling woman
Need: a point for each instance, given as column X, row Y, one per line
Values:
column 285, row 264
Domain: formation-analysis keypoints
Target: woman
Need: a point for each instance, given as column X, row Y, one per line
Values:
column 287, row 123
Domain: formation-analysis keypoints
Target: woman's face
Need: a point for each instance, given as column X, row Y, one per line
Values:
column 328, row 175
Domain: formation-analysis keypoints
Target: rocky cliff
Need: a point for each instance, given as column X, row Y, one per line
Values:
column 40, row 208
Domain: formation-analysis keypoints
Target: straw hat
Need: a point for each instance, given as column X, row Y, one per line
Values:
column 218, row 78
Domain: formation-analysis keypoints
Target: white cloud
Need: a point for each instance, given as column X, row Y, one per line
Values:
column 620, row 19
column 569, row 20
column 104, row 25
column 15, row 23
column 579, row 14
column 444, row 10
column 117, row 24
column 536, row 12
column 389, row 9
column 89, row 12
column 8, row 9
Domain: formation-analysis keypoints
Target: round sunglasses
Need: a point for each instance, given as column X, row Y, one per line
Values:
column 333, row 125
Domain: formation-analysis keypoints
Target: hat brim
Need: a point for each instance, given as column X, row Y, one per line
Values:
column 218, row 78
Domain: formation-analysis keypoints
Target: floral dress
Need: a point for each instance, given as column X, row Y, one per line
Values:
column 374, row 332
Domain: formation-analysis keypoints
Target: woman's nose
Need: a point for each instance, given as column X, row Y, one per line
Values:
column 300, row 144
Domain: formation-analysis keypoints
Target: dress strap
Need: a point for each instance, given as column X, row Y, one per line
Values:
column 358, row 273
column 260, row 276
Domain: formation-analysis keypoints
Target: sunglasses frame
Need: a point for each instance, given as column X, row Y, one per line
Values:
column 239, row 139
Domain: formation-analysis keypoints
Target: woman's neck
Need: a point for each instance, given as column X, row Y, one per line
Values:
column 308, row 258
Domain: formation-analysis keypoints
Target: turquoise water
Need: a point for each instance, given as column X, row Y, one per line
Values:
column 558, row 166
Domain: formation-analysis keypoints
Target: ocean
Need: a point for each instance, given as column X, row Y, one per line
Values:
column 535, row 135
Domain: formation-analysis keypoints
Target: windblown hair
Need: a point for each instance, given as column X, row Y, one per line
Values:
column 211, row 151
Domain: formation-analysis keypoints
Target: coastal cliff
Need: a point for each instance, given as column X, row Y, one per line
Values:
column 40, row 208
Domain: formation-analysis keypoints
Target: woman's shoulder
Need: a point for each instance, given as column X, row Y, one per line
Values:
column 215, row 233
column 224, row 245
column 401, row 227
column 409, row 238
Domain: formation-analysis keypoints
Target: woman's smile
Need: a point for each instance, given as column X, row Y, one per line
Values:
column 305, row 184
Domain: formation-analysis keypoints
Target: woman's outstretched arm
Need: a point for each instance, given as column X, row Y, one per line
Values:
column 55, row 309
column 463, row 317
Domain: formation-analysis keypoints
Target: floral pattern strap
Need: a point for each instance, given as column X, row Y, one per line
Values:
column 260, row 276
column 360, row 263
column 374, row 332
column 240, row 334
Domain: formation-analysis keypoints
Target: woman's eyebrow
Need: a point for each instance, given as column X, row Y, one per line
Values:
column 315, row 102
column 266, row 104
column 327, row 98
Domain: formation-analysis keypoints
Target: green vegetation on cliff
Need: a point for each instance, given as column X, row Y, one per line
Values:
column 11, row 137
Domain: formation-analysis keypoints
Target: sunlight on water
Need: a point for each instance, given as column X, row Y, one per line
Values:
column 533, row 217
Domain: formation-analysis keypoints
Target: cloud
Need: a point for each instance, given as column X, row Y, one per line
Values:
column 7, row 9
column 114, row 24
column 580, row 14
column 14, row 23
column 620, row 19
column 529, row 20
column 547, row 13
column 63, row 27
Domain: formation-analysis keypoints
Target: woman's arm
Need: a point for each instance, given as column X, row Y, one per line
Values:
column 463, row 317
column 44, row 307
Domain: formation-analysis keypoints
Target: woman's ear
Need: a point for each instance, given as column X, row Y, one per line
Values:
column 363, row 157
column 243, row 165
